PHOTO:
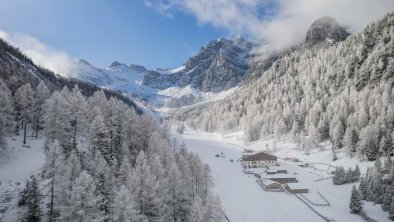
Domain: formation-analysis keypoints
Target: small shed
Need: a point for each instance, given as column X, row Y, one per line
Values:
column 284, row 179
column 297, row 188
column 278, row 169
column 271, row 185
column 271, row 171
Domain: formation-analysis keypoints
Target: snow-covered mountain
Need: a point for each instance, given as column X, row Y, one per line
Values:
column 17, row 69
column 117, row 76
column 325, row 29
column 322, row 33
column 340, row 92
column 219, row 66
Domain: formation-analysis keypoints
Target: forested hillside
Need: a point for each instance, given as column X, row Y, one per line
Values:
column 103, row 161
column 342, row 93
column 17, row 69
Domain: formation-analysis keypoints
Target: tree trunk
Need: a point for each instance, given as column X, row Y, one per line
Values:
column 24, row 133
column 51, row 213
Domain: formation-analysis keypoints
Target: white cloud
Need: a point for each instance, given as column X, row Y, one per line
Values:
column 286, row 23
column 41, row 54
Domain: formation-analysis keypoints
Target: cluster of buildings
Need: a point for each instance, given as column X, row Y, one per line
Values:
column 275, row 177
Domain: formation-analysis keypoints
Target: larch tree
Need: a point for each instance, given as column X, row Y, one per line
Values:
column 124, row 207
column 41, row 94
column 144, row 189
column 6, row 110
column 78, row 117
column 99, row 138
column 84, row 203
column 197, row 211
column 24, row 103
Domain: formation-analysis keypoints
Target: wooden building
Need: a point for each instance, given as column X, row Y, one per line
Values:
column 270, row 185
column 297, row 188
column 259, row 160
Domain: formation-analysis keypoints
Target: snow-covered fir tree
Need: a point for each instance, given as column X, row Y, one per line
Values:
column 30, row 198
column 355, row 201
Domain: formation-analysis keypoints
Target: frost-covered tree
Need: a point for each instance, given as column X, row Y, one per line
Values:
column 213, row 211
column 180, row 128
column 197, row 211
column 391, row 210
column 145, row 190
column 41, row 94
column 6, row 111
column 57, row 126
column 178, row 198
column 83, row 202
column 338, row 134
column 350, row 141
column 99, row 138
column 78, row 117
column 31, row 197
column 355, row 204
column 368, row 146
column 124, row 207
column 339, row 176
column 23, row 105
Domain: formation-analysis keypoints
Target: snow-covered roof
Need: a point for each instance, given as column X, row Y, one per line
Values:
column 281, row 175
column 269, row 182
column 297, row 186
column 276, row 168
column 271, row 171
column 259, row 156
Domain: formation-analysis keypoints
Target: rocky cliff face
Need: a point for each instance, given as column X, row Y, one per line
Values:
column 325, row 29
column 218, row 66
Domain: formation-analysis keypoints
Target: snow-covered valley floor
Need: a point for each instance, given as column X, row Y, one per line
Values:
column 17, row 163
column 244, row 200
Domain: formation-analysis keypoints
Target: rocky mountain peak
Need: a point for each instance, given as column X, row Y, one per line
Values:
column 115, row 63
column 138, row 68
column 82, row 61
column 325, row 29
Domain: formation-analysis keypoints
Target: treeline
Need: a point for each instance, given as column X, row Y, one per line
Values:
column 377, row 186
column 341, row 176
column 342, row 93
column 103, row 161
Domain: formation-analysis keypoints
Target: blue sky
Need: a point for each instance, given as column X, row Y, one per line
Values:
column 102, row 31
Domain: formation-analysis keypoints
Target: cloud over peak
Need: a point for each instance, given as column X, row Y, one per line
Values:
column 41, row 54
column 276, row 23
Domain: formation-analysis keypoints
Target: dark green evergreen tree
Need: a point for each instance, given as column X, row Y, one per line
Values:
column 355, row 201
column 30, row 198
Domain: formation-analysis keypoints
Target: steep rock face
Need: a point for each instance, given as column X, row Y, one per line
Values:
column 325, row 29
column 218, row 66
column 160, row 81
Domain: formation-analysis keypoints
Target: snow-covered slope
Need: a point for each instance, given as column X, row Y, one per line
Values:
column 117, row 76
column 244, row 200
column 218, row 67
column 17, row 164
